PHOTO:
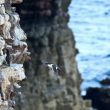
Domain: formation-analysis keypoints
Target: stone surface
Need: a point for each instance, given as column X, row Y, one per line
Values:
column 105, row 82
column 2, row 1
column 13, row 52
column 50, row 40
column 100, row 98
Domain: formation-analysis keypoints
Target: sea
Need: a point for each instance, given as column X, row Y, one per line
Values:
column 90, row 23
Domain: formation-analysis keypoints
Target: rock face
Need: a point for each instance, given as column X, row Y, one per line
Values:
column 13, row 52
column 50, row 40
column 100, row 98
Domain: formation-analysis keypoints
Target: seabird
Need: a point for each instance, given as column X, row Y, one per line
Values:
column 51, row 66
column 2, row 45
column 17, row 86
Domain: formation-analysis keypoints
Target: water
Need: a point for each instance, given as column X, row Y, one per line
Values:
column 90, row 21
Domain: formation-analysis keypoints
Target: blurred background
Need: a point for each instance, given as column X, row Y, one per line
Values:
column 90, row 22
column 47, row 24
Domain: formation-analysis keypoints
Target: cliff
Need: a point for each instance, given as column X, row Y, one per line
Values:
column 13, row 52
column 50, row 40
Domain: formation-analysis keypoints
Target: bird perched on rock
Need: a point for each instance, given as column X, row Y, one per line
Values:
column 17, row 85
column 2, row 45
column 51, row 66
column 54, row 67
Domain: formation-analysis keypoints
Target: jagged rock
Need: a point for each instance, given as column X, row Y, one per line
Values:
column 2, row 20
column 51, row 40
column 2, row 45
column 100, row 98
column 50, row 105
column 2, row 1
column 11, row 63
column 17, row 32
column 105, row 82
